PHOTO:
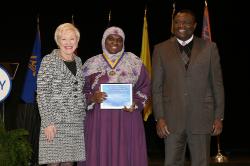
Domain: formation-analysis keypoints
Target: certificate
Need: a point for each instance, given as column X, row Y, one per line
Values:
column 118, row 96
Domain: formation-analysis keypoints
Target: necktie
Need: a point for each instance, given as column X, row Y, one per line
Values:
column 184, row 55
column 185, row 59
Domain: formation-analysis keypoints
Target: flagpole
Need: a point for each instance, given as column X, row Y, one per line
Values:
column 3, row 114
column 206, row 34
column 109, row 18
column 172, row 24
column 38, row 24
column 145, row 57
column 72, row 19
column 37, row 20
column 219, row 158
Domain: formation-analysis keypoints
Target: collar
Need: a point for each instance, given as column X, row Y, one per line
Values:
column 183, row 43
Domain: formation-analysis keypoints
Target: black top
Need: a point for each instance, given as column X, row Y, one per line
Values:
column 71, row 66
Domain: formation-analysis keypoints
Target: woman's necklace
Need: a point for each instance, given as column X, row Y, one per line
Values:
column 111, row 64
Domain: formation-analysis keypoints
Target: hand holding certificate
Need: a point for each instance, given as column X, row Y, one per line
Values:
column 118, row 96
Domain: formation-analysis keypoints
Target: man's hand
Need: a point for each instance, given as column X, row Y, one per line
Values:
column 217, row 127
column 161, row 128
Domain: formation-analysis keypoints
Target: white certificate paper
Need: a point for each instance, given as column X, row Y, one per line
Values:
column 118, row 96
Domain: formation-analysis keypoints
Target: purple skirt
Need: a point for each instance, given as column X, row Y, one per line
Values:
column 115, row 138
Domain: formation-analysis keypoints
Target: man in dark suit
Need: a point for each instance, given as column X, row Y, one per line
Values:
column 188, row 93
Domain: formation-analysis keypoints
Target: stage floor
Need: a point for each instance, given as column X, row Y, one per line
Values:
column 157, row 159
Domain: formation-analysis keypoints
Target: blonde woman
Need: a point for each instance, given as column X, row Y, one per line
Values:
column 61, row 102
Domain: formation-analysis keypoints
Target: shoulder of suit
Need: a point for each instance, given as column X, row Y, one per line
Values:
column 165, row 42
column 78, row 58
column 48, row 58
column 203, row 41
column 51, row 56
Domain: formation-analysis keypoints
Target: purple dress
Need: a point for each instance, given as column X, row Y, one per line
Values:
column 116, row 137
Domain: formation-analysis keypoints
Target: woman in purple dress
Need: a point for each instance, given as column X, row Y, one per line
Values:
column 115, row 137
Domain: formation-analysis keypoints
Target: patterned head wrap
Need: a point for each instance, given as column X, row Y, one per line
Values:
column 112, row 31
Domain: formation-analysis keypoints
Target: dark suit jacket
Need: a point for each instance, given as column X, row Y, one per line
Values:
column 187, row 99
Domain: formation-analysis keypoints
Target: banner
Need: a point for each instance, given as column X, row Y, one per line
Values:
column 145, row 57
column 29, row 88
column 206, row 32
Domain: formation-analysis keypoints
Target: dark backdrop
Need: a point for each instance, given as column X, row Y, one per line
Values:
column 18, row 28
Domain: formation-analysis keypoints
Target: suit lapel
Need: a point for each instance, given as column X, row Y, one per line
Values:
column 78, row 68
column 68, row 74
column 177, row 54
column 194, row 53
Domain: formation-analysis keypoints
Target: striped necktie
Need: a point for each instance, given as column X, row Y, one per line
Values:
column 184, row 55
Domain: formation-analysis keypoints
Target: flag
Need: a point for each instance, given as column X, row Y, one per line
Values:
column 145, row 57
column 206, row 32
column 29, row 88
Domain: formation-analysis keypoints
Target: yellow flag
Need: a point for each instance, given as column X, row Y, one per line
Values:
column 145, row 57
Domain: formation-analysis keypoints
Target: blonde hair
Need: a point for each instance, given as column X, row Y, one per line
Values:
column 64, row 27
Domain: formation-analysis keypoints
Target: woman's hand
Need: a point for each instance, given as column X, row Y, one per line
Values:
column 98, row 97
column 50, row 132
column 131, row 109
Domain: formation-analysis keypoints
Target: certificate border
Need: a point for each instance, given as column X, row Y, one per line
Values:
column 120, row 107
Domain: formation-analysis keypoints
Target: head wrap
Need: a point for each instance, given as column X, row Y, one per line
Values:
column 112, row 31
